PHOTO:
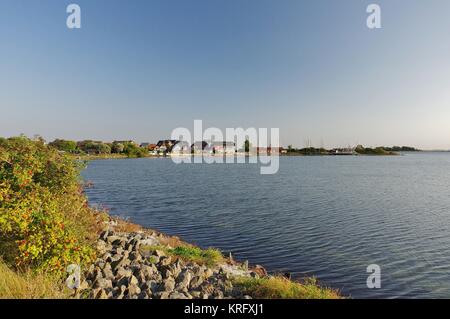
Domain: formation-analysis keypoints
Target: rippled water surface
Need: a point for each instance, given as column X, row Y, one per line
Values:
column 329, row 217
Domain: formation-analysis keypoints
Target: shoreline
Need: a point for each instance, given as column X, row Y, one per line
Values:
column 109, row 157
column 135, row 262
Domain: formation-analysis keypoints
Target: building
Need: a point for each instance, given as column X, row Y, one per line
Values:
column 164, row 146
column 201, row 148
column 181, row 147
column 227, row 148
column 148, row 146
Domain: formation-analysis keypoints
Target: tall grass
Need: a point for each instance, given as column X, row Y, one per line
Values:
column 282, row 288
column 29, row 285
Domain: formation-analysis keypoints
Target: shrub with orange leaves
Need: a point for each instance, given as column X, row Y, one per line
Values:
column 45, row 223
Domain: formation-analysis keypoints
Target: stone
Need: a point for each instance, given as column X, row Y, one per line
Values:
column 108, row 273
column 100, row 294
column 103, row 283
column 245, row 265
column 168, row 285
column 151, row 285
column 177, row 295
column 184, row 279
column 196, row 294
column 162, row 295
column 208, row 273
column 148, row 271
column 133, row 280
column 165, row 261
column 124, row 261
column 135, row 256
column 113, row 239
column 133, row 290
column 122, row 272
column 159, row 253
column 196, row 282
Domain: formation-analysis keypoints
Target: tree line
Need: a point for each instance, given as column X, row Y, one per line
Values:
column 128, row 148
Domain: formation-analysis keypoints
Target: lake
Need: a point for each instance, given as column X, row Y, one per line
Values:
column 328, row 217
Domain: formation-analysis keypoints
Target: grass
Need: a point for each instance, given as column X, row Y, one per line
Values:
column 281, row 288
column 186, row 252
column 27, row 285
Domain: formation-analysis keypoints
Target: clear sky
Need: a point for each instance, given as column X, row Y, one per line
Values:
column 138, row 69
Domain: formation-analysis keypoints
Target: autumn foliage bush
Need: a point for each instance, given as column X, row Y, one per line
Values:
column 45, row 221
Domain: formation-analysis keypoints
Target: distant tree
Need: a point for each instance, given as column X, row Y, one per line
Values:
column 92, row 147
column 132, row 150
column 117, row 148
column 247, row 146
column 63, row 145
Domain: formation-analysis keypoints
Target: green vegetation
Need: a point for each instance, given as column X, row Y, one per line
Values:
column 45, row 220
column 93, row 149
column 247, row 146
column 307, row 151
column 372, row 151
column 65, row 146
column 282, row 288
column 186, row 252
column 401, row 149
column 132, row 150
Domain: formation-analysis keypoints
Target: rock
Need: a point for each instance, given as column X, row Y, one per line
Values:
column 133, row 281
column 103, row 283
column 101, row 247
column 104, row 235
column 140, row 276
column 168, row 285
column 159, row 253
column 245, row 265
column 167, row 273
column 148, row 271
column 162, row 295
column 165, row 261
column 114, row 240
column 149, row 241
column 196, row 294
column 260, row 270
column 100, row 294
column 122, row 272
column 218, row 294
column 83, row 285
column 208, row 273
column 184, row 279
column 177, row 295
column 247, row 297
column 133, row 290
column 124, row 261
column 151, row 285
column 108, row 273
column 144, row 295
column 119, row 251
column 135, row 256
column 196, row 282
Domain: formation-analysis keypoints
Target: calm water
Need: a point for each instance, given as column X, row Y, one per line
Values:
column 329, row 217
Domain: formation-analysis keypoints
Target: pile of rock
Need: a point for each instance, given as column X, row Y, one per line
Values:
column 125, row 270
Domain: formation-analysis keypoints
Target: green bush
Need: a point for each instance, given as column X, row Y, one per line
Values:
column 45, row 222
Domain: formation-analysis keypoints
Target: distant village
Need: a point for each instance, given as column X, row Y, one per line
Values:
column 174, row 147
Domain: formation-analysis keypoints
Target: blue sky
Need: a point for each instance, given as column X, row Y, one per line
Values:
column 138, row 69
